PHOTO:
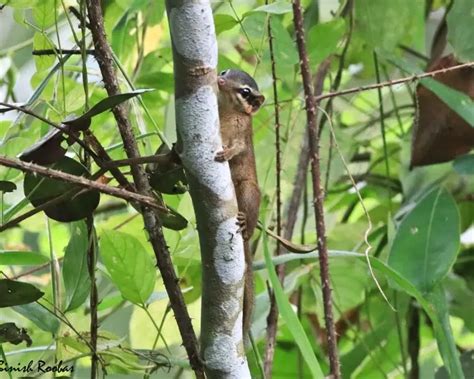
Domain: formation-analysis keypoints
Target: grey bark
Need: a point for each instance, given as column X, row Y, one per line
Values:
column 197, row 121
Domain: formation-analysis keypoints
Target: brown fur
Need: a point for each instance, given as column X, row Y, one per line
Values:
column 235, row 114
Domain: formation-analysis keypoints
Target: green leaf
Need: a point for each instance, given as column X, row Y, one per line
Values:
column 173, row 220
column 39, row 190
column 384, row 24
column 21, row 258
column 41, row 317
column 75, row 271
column 286, row 56
column 223, row 22
column 130, row 267
column 427, row 241
column 278, row 7
column 17, row 293
column 292, row 321
column 6, row 186
column 460, row 31
column 43, row 14
column 43, row 62
column 464, row 164
column 459, row 102
column 106, row 104
column 324, row 38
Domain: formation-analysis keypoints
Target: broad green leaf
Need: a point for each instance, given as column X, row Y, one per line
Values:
column 278, row 7
column 110, row 301
column 223, row 22
column 106, row 104
column 324, row 38
column 42, row 318
column 21, row 258
column 460, row 29
column 427, row 241
column 75, row 271
column 43, row 14
column 459, row 102
column 384, row 23
column 130, row 267
column 286, row 56
column 17, row 293
column 464, row 165
column 292, row 321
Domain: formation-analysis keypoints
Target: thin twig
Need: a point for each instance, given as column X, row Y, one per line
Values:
column 411, row 78
column 151, row 219
column 63, row 197
column 61, row 51
column 81, row 181
column 318, row 195
column 382, row 127
column 272, row 318
column 414, row 339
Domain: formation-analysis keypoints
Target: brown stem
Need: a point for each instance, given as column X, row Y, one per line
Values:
column 148, row 201
column 106, row 160
column 318, row 196
column 272, row 318
column 387, row 83
column 61, row 51
column 151, row 219
column 414, row 340
column 94, row 299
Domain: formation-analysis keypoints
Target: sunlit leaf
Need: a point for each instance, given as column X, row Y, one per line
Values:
column 130, row 267
column 223, row 22
column 105, row 105
column 427, row 241
column 75, row 271
column 460, row 31
column 21, row 258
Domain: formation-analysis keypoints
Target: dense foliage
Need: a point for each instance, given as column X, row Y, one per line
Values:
column 414, row 303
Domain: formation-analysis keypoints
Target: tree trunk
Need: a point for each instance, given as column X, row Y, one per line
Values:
column 197, row 121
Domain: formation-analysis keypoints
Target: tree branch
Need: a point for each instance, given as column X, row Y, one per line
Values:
column 387, row 83
column 151, row 219
column 318, row 196
column 81, row 181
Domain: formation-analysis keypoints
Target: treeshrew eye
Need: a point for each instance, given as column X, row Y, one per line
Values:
column 245, row 92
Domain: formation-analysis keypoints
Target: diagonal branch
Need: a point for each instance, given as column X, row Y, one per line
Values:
column 81, row 181
column 151, row 219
